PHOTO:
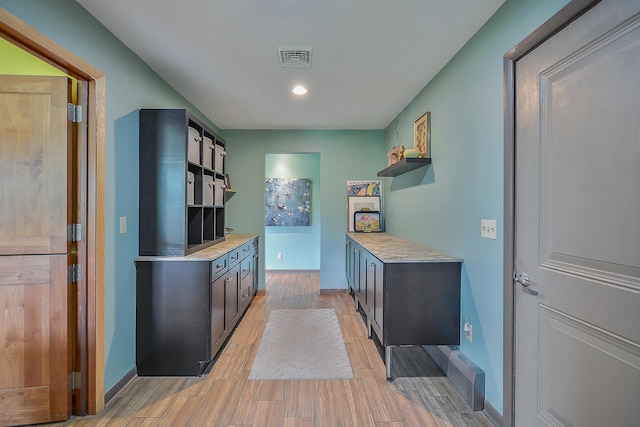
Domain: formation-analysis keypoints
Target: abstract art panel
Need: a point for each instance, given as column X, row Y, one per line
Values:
column 287, row 201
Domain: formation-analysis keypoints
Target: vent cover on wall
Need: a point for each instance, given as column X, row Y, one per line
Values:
column 294, row 56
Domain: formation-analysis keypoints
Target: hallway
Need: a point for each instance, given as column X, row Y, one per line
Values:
column 225, row 397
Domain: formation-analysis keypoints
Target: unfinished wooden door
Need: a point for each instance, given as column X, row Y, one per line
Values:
column 35, row 208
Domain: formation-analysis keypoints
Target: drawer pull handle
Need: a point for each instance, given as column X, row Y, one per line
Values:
column 219, row 265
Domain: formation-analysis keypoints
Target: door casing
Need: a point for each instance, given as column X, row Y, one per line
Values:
column 564, row 17
column 19, row 33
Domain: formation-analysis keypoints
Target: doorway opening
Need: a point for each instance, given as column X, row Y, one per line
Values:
column 293, row 247
column 91, row 84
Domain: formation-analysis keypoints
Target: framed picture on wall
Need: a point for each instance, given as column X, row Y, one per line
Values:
column 361, row 203
column 422, row 135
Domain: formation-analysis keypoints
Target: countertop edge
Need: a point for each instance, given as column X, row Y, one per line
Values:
column 232, row 242
column 428, row 254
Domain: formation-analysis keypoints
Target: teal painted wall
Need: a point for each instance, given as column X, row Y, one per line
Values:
column 441, row 206
column 299, row 246
column 130, row 85
column 344, row 155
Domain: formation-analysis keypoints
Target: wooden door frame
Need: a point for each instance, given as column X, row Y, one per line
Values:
column 573, row 10
column 19, row 33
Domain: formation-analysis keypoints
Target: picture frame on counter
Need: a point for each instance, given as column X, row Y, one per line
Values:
column 360, row 203
column 367, row 222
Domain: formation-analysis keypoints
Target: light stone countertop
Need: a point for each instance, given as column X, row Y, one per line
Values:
column 231, row 242
column 391, row 249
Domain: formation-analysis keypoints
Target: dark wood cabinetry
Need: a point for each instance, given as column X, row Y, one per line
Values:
column 191, row 286
column 409, row 294
column 181, row 183
column 187, row 307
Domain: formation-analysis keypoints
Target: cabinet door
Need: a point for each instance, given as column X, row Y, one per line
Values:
column 363, row 265
column 378, row 291
column 246, row 280
column 231, row 296
column 254, row 286
column 348, row 263
column 371, row 285
column 217, row 309
column 355, row 268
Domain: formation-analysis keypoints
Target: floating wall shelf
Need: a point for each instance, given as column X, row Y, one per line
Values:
column 403, row 166
column 228, row 193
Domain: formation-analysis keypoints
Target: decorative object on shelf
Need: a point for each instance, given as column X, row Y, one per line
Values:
column 366, row 221
column 411, row 153
column 362, row 204
column 287, row 201
column 422, row 135
column 395, row 154
column 364, row 188
column 227, row 181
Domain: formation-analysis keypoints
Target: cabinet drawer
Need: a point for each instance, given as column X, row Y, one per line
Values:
column 234, row 256
column 246, row 267
column 219, row 266
column 245, row 250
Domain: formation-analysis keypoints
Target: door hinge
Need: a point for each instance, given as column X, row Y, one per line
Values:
column 74, row 232
column 74, row 381
column 74, row 273
column 74, row 113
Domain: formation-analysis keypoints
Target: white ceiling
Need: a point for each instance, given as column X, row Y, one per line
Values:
column 370, row 57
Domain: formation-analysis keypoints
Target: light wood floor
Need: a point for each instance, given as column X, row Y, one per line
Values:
column 225, row 397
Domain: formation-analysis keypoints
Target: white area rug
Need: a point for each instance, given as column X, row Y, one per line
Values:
column 301, row 344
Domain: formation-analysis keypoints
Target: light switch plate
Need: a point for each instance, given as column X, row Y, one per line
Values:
column 123, row 225
column 488, row 228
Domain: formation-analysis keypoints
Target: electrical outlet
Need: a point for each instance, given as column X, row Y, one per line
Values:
column 468, row 329
column 123, row 225
column 488, row 229
column 279, row 256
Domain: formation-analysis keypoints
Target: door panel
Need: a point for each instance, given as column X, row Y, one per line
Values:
column 34, row 149
column 577, row 342
column 33, row 339
column 36, row 202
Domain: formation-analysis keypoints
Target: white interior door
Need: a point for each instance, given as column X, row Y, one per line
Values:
column 577, row 223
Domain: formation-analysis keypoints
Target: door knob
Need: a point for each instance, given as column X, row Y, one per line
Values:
column 524, row 279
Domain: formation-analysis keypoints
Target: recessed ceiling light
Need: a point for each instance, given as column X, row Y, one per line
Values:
column 299, row 90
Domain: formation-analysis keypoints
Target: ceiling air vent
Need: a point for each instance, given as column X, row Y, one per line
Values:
column 294, row 56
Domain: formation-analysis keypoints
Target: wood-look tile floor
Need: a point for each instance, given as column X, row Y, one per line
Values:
column 225, row 397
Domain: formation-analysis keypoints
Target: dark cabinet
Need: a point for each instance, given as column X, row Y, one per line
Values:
column 172, row 318
column 410, row 294
column 348, row 265
column 187, row 307
column 217, row 311
column 181, row 183
column 231, row 296
column 246, row 279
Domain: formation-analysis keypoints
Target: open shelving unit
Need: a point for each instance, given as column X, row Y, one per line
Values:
column 182, row 194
